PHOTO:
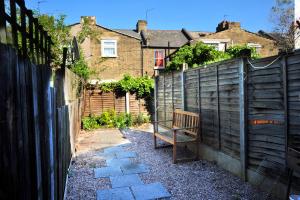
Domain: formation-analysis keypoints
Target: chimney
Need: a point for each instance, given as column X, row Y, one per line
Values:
column 226, row 25
column 141, row 25
column 91, row 20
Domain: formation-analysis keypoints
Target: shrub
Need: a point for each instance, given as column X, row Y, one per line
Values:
column 236, row 51
column 141, row 118
column 108, row 119
column 90, row 123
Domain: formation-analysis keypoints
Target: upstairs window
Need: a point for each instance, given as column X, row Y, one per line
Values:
column 256, row 46
column 159, row 58
column 109, row 48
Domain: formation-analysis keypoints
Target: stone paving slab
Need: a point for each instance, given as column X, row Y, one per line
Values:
column 134, row 168
column 114, row 149
column 125, row 181
column 104, row 172
column 106, row 156
column 115, row 194
column 126, row 154
column 150, row 191
column 118, row 162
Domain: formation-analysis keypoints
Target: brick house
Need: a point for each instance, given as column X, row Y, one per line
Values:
column 231, row 33
column 137, row 51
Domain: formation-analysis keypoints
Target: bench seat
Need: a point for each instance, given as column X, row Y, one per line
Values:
column 181, row 137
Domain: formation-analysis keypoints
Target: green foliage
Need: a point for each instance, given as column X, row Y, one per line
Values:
column 110, row 119
column 200, row 53
column 81, row 68
column 90, row 123
column 141, row 86
column 59, row 33
column 183, row 55
column 204, row 54
column 236, row 51
column 123, row 120
column 141, row 119
column 107, row 119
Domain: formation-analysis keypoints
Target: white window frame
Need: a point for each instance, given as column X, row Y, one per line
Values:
column 103, row 47
column 220, row 46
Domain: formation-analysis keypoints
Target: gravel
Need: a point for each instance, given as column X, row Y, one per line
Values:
column 192, row 180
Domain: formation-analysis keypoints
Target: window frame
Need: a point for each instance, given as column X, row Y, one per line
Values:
column 103, row 46
column 163, row 59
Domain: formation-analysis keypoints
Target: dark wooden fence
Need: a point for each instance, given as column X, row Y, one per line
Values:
column 35, row 131
column 250, row 110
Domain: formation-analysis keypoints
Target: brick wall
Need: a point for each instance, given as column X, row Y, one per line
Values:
column 128, row 60
column 239, row 36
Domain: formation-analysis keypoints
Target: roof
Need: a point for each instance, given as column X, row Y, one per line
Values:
column 161, row 38
column 272, row 36
column 128, row 32
column 198, row 34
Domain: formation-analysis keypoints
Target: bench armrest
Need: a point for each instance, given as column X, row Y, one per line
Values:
column 183, row 128
column 156, row 122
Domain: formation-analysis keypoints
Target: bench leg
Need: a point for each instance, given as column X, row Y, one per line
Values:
column 155, row 144
column 174, row 153
column 197, row 150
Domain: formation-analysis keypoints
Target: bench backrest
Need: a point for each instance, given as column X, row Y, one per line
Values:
column 182, row 119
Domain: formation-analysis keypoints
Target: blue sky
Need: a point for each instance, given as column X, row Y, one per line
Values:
column 197, row 15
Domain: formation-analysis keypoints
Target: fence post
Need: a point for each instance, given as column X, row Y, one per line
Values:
column 218, row 107
column 23, row 27
column 184, row 67
column 13, row 15
column 243, row 117
column 155, row 103
column 2, row 22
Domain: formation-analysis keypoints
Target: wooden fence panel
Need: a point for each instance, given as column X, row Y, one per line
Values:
column 229, row 113
column 266, row 149
column 293, row 87
column 168, row 96
column 271, row 118
column 191, row 90
column 208, row 100
column 177, row 92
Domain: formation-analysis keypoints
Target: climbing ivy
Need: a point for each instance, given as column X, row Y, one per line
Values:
column 141, row 86
column 201, row 54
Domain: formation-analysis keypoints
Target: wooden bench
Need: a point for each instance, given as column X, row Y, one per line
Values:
column 185, row 130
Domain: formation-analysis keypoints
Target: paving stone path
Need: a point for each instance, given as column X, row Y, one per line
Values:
column 124, row 177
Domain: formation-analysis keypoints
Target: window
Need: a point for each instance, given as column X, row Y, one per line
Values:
column 215, row 45
column 159, row 59
column 256, row 46
column 220, row 46
column 109, row 48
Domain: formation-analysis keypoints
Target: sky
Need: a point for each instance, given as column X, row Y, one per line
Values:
column 196, row 15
